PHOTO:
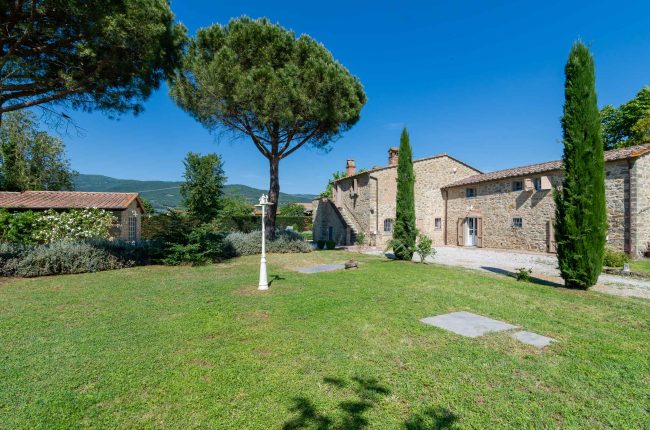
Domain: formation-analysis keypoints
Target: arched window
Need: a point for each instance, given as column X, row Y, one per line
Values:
column 388, row 225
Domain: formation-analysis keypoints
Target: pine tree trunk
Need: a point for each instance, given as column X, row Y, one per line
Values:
column 274, row 194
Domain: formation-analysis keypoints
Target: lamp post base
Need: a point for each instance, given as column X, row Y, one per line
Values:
column 264, row 284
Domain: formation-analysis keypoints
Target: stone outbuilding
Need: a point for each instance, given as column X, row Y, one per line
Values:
column 126, row 207
column 458, row 205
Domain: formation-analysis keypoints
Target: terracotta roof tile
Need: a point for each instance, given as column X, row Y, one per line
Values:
column 65, row 200
column 612, row 155
column 378, row 168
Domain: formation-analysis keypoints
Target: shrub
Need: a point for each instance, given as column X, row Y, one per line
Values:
column 249, row 223
column 202, row 246
column 74, row 224
column 361, row 238
column 424, row 247
column 330, row 244
column 320, row 244
column 51, row 226
column 169, row 227
column 614, row 258
column 251, row 243
column 65, row 257
column 132, row 253
column 307, row 235
column 10, row 256
column 523, row 274
column 18, row 227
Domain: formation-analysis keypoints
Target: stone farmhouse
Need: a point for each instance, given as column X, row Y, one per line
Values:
column 457, row 205
column 126, row 207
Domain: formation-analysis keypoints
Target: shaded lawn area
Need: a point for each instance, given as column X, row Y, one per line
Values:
column 640, row 265
column 182, row 347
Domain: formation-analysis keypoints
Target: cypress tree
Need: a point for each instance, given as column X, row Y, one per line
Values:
column 581, row 215
column 404, row 232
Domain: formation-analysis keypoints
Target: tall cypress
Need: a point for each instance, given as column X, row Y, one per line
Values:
column 581, row 215
column 405, row 233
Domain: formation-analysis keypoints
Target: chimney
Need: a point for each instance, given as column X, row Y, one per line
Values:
column 350, row 168
column 393, row 154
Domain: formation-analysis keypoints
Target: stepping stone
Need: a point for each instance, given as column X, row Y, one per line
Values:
column 534, row 339
column 467, row 324
column 322, row 268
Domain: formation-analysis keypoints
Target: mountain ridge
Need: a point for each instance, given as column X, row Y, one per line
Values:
column 166, row 194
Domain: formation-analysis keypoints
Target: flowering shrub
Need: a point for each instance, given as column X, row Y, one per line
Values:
column 74, row 224
column 51, row 226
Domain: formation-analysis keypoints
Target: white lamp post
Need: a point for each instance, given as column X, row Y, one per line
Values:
column 264, row 284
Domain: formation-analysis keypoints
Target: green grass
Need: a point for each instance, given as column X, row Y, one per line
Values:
column 640, row 265
column 165, row 347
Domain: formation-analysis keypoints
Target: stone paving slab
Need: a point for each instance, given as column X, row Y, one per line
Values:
column 321, row 268
column 467, row 324
column 534, row 339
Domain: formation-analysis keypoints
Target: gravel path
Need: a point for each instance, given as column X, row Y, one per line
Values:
column 544, row 267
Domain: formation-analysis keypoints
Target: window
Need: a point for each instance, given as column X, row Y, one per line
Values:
column 388, row 225
column 133, row 228
column 538, row 184
column 330, row 233
column 470, row 192
column 517, row 223
column 437, row 223
column 517, row 185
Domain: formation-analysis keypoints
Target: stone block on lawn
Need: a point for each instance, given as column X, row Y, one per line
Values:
column 467, row 324
column 322, row 268
column 534, row 339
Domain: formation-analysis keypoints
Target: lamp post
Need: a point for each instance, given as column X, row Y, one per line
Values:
column 264, row 284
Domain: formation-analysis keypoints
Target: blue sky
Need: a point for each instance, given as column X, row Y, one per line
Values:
column 480, row 80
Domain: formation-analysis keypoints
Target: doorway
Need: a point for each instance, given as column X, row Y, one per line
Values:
column 471, row 231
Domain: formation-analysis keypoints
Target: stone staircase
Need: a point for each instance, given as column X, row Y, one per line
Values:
column 348, row 221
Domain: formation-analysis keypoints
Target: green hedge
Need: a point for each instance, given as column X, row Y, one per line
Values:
column 249, row 223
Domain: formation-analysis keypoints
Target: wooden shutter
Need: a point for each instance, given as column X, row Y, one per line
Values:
column 550, row 237
column 460, row 230
column 479, row 232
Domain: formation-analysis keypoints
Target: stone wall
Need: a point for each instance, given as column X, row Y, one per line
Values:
column 133, row 211
column 640, row 206
column 498, row 204
column 325, row 216
column 370, row 198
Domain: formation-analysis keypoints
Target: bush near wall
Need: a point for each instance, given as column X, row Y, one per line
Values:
column 65, row 257
column 249, row 223
column 30, row 227
column 251, row 243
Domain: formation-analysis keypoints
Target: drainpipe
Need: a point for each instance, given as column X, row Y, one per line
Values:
column 628, row 214
column 376, row 206
column 445, row 228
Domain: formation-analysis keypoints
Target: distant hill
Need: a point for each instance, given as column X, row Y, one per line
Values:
column 165, row 194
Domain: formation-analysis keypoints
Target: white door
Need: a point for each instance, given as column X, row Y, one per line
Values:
column 471, row 231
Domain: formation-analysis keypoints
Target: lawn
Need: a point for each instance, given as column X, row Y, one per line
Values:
column 183, row 347
column 640, row 265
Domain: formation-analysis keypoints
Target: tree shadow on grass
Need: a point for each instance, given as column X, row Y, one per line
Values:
column 534, row 280
column 367, row 393
column 432, row 419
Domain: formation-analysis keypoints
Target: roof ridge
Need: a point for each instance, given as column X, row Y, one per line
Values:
column 609, row 155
